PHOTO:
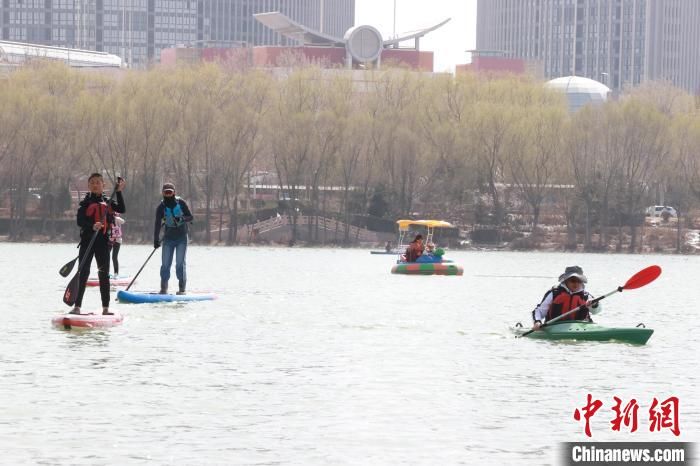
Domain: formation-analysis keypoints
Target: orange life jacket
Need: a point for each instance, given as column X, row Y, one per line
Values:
column 563, row 302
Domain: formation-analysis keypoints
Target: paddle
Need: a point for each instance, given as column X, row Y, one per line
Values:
column 144, row 265
column 638, row 280
column 71, row 293
column 65, row 270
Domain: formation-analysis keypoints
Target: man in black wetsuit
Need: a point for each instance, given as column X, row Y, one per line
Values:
column 95, row 217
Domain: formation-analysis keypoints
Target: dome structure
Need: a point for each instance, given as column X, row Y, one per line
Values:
column 580, row 91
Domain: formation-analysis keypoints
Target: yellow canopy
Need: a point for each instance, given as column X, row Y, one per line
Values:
column 404, row 224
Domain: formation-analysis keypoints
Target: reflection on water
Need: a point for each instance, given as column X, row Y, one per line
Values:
column 324, row 357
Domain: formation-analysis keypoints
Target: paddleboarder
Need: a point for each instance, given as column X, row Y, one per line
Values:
column 116, row 240
column 95, row 217
column 173, row 215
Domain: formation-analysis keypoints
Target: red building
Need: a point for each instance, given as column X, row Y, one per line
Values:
column 360, row 47
column 497, row 63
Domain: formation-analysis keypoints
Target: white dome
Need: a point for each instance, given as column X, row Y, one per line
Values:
column 580, row 91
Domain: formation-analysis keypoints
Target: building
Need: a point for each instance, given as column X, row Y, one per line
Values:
column 137, row 30
column 358, row 47
column 580, row 91
column 617, row 42
column 14, row 54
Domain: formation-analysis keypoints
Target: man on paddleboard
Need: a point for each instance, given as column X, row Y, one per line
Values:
column 568, row 295
column 95, row 217
column 173, row 215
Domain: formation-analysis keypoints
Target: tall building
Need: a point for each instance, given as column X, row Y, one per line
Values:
column 137, row 30
column 616, row 42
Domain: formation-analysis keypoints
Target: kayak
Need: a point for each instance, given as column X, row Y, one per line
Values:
column 429, row 268
column 91, row 320
column 136, row 297
column 588, row 331
column 119, row 281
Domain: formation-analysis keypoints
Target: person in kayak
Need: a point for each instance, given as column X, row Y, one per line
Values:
column 569, row 294
column 96, row 214
column 116, row 241
column 414, row 249
column 174, row 215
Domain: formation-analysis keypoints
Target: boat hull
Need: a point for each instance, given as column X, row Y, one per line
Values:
column 588, row 331
column 417, row 268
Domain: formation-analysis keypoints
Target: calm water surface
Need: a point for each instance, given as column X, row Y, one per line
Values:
column 315, row 356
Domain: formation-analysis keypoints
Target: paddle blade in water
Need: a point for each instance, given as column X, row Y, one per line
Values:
column 71, row 293
column 66, row 269
column 643, row 277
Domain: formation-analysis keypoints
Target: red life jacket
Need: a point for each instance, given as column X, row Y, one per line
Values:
column 563, row 302
column 100, row 212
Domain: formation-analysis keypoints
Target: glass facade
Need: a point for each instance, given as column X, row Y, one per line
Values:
column 137, row 30
column 616, row 42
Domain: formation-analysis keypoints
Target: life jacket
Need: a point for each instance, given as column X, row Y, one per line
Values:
column 563, row 301
column 101, row 212
column 170, row 214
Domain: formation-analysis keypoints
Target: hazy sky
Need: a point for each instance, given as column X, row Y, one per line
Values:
column 448, row 43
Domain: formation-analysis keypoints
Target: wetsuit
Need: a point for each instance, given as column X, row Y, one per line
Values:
column 96, row 208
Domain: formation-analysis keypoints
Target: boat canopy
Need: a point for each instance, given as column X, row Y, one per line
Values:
column 405, row 224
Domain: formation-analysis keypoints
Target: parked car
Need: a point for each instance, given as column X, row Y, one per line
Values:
column 658, row 210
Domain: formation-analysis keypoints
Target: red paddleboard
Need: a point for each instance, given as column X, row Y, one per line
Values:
column 68, row 321
column 121, row 281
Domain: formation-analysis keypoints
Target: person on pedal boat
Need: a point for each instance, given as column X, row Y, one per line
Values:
column 415, row 249
column 569, row 294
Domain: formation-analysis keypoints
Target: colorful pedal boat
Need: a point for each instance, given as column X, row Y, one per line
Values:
column 427, row 268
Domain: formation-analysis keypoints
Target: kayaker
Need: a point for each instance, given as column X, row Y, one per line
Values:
column 96, row 214
column 116, row 240
column 414, row 249
column 174, row 215
column 387, row 246
column 569, row 294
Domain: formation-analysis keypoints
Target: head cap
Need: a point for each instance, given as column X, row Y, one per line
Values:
column 573, row 271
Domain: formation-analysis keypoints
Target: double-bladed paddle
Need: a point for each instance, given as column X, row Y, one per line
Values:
column 638, row 280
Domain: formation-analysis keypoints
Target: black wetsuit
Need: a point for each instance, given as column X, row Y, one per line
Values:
column 101, row 246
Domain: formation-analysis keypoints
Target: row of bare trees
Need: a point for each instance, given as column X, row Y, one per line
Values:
column 434, row 143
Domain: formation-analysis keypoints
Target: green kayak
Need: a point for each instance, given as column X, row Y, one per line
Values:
column 588, row 331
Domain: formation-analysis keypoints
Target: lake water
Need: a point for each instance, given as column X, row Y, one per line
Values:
column 320, row 356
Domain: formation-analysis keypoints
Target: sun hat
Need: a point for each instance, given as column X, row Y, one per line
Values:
column 573, row 271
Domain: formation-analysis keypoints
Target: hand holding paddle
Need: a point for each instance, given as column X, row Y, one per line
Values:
column 638, row 280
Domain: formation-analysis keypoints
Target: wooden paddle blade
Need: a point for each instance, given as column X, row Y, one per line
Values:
column 643, row 277
column 71, row 293
column 66, row 269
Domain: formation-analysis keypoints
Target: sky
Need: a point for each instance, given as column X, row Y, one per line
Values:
column 448, row 43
